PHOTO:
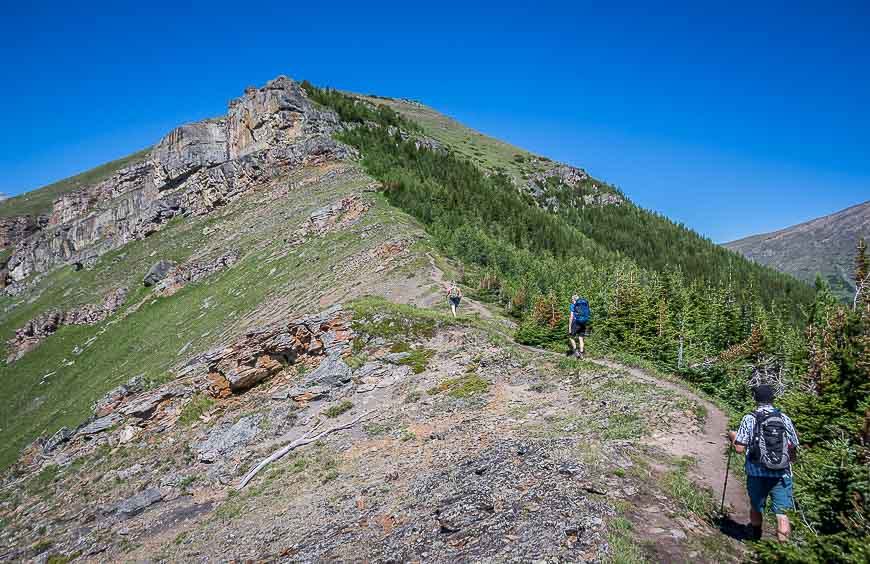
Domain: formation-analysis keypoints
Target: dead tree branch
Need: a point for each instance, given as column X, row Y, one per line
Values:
column 305, row 439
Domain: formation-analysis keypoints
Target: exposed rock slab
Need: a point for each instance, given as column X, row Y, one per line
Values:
column 192, row 170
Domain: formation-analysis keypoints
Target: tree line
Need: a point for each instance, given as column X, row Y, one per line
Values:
column 663, row 293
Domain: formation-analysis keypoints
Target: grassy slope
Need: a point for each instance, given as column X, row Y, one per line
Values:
column 263, row 285
column 486, row 151
column 39, row 201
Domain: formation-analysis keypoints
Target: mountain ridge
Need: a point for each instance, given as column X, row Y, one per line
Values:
column 824, row 245
column 278, row 274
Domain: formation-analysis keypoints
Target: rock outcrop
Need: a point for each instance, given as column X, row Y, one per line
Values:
column 264, row 353
column 195, row 168
column 40, row 327
column 563, row 185
column 158, row 272
column 179, row 276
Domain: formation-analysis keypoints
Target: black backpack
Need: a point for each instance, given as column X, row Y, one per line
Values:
column 769, row 445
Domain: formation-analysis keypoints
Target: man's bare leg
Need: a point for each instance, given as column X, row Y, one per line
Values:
column 582, row 344
column 783, row 528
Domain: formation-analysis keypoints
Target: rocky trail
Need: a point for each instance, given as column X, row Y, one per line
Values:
column 707, row 449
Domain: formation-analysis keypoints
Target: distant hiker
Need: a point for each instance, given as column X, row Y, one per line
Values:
column 769, row 438
column 454, row 294
column 578, row 322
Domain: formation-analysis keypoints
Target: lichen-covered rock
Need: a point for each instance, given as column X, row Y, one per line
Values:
column 332, row 372
column 100, row 424
column 182, row 275
column 227, row 438
column 113, row 398
column 61, row 436
column 139, row 502
column 263, row 353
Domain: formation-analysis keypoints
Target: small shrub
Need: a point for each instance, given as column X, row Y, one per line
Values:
column 191, row 412
column 418, row 360
column 336, row 410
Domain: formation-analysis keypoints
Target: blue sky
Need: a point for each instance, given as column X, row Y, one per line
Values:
column 734, row 118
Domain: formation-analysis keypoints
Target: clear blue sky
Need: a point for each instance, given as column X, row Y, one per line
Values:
column 732, row 117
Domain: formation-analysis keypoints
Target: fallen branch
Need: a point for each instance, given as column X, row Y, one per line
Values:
column 301, row 441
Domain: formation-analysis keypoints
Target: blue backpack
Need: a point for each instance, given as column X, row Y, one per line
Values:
column 582, row 313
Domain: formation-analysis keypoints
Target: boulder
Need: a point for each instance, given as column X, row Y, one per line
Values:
column 100, row 424
column 110, row 401
column 143, row 406
column 395, row 358
column 139, row 502
column 332, row 372
column 158, row 272
column 61, row 436
column 227, row 438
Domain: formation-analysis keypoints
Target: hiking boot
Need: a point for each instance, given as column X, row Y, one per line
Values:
column 754, row 533
column 578, row 354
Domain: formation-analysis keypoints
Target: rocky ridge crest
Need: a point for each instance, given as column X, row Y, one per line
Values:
column 192, row 170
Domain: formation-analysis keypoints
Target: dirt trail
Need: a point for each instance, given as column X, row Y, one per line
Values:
column 437, row 276
column 707, row 450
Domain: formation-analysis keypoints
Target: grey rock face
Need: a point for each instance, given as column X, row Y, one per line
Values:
column 143, row 405
column 191, row 147
column 14, row 229
column 108, row 402
column 100, row 424
column 195, row 168
column 158, row 272
column 227, row 438
column 332, row 372
column 61, row 436
column 395, row 358
column 139, row 502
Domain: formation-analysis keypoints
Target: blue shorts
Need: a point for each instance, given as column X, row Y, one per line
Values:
column 779, row 489
column 455, row 301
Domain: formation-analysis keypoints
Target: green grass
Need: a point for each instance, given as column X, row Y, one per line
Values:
column 40, row 200
column 688, row 496
column 418, row 358
column 192, row 411
column 487, row 152
column 623, row 548
column 464, row 387
column 336, row 410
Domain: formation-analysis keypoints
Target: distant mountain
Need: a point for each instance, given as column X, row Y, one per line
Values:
column 824, row 245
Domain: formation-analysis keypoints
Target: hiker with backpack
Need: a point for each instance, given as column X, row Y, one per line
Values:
column 770, row 441
column 454, row 294
column 578, row 324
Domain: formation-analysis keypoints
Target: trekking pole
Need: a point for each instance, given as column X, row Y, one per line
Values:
column 725, row 486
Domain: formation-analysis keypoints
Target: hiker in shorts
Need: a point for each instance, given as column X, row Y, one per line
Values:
column 769, row 438
column 578, row 321
column 454, row 294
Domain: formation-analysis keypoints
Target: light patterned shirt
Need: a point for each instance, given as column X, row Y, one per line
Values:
column 744, row 437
